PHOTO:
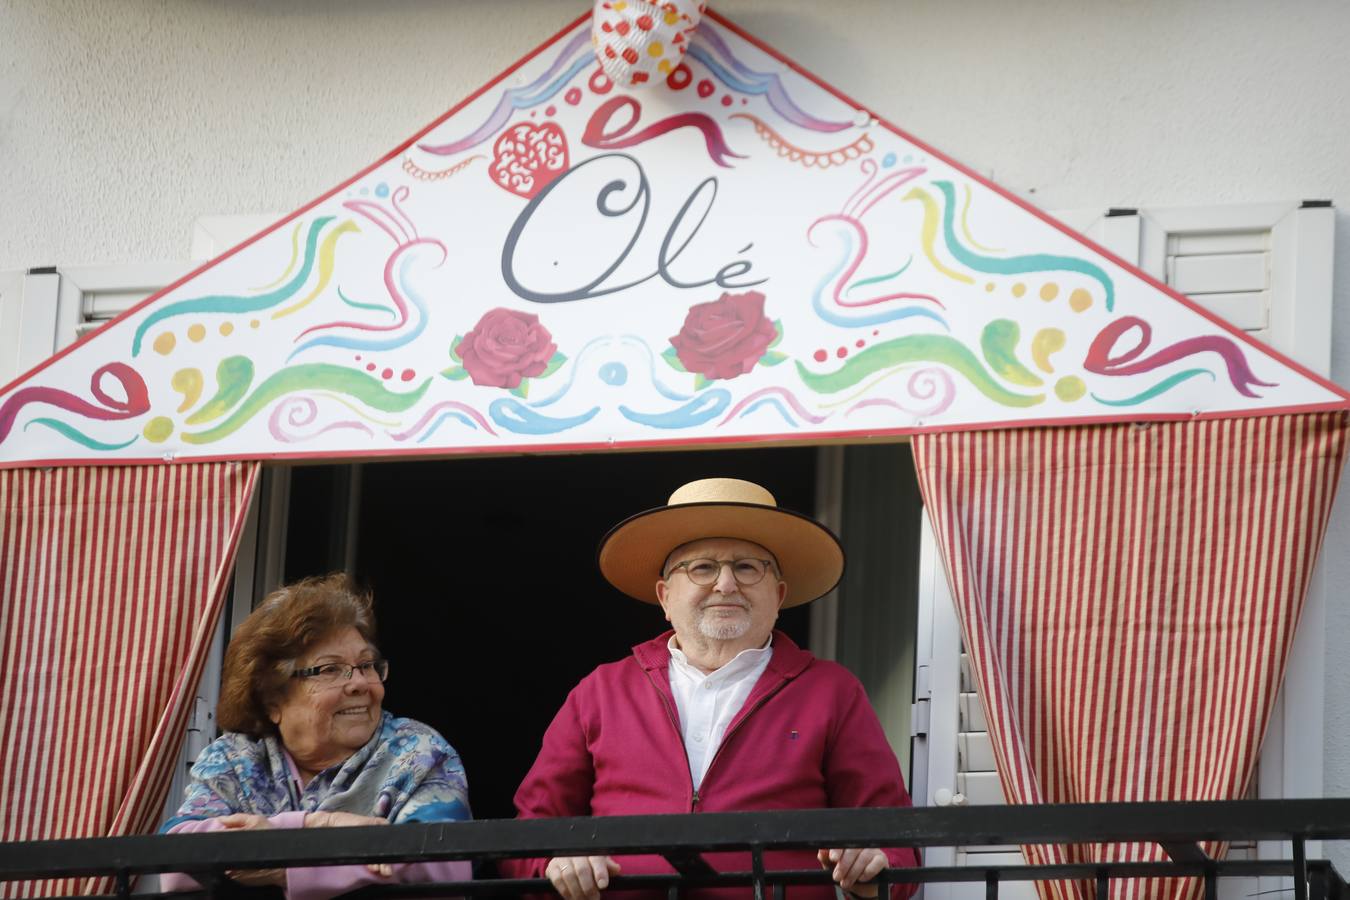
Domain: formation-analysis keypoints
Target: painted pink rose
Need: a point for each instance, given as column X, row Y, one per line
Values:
column 504, row 347
column 725, row 337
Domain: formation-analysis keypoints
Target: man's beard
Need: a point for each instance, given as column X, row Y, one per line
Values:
column 722, row 630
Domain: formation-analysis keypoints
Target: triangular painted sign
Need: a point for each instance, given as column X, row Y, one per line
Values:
column 739, row 254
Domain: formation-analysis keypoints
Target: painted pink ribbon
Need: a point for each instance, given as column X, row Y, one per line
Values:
column 137, row 402
column 1100, row 360
column 618, row 138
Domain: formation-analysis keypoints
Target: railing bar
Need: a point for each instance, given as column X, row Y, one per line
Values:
column 991, row 885
column 936, row 874
column 1300, row 870
column 1311, row 819
column 883, row 881
column 757, row 867
column 780, row 891
column 673, row 892
column 1211, row 883
column 1103, row 884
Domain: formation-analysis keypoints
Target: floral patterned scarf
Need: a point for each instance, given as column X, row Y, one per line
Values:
column 406, row 772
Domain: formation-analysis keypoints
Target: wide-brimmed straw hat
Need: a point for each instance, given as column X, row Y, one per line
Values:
column 809, row 556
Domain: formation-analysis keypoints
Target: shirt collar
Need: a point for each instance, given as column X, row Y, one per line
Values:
column 741, row 662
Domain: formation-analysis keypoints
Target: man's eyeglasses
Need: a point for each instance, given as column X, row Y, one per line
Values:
column 703, row 572
column 332, row 674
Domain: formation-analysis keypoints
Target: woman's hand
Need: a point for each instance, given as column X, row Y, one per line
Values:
column 340, row 820
column 350, row 820
column 580, row 877
column 252, row 877
column 853, row 866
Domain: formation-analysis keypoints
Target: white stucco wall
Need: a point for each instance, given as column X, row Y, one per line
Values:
column 122, row 122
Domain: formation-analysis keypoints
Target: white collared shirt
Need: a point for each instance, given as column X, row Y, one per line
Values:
column 707, row 703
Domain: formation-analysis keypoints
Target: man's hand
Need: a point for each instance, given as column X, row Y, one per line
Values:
column 853, row 866
column 580, row 877
column 252, row 877
column 350, row 820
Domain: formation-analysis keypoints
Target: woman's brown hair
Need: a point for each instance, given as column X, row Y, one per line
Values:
column 264, row 649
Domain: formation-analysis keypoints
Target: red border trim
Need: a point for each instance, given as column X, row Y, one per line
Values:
column 790, row 439
column 707, row 440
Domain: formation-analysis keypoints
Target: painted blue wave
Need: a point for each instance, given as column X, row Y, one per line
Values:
column 664, row 391
column 748, row 81
column 356, row 342
column 440, row 421
column 542, row 88
column 515, row 416
column 705, row 406
column 818, row 301
column 572, row 374
column 769, row 401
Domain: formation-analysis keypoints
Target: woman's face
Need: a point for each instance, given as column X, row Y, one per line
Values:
column 322, row 726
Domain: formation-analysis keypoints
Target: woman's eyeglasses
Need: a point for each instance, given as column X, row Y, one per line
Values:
column 333, row 674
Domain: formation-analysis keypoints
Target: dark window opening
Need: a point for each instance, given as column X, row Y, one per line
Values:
column 489, row 603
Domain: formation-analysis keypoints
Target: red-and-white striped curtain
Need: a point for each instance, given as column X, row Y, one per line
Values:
column 111, row 586
column 1128, row 596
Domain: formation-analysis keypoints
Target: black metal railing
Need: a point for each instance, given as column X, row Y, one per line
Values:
column 682, row 839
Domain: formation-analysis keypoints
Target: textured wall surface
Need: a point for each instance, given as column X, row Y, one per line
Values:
column 121, row 122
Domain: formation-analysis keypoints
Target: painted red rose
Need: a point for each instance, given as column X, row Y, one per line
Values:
column 725, row 337
column 504, row 347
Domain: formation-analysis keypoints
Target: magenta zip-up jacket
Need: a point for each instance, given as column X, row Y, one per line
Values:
column 807, row 738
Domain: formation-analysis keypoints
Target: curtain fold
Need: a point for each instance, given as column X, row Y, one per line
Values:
column 1128, row 596
column 112, row 581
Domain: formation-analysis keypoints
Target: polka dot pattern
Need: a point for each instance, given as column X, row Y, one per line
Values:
column 639, row 42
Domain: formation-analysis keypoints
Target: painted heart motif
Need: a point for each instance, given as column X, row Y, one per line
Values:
column 527, row 157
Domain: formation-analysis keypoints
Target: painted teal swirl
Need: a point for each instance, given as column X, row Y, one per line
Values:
column 357, row 305
column 313, row 376
column 877, row 279
column 834, row 318
column 915, row 348
column 705, row 406
column 234, row 303
column 515, row 416
column 78, row 436
column 1015, row 265
column 1161, row 387
column 356, row 342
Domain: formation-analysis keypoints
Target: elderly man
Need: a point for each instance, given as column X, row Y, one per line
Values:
column 723, row 713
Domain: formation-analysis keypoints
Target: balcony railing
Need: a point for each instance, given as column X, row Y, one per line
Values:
column 681, row 839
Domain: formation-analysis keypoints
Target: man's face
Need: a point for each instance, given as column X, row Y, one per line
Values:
column 725, row 611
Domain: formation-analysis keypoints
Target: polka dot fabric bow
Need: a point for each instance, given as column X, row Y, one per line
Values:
column 638, row 42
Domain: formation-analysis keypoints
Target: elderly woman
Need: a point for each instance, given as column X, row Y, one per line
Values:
column 308, row 744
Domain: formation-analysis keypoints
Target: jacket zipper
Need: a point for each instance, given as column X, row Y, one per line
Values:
column 727, row 737
column 694, row 797
column 675, row 723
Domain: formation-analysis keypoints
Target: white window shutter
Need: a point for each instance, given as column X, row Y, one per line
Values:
column 1266, row 268
column 92, row 296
